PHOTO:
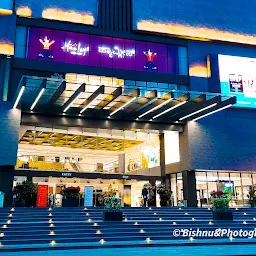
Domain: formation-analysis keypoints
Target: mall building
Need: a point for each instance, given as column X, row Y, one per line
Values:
column 128, row 92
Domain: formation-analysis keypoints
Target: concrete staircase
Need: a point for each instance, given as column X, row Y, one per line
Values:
column 58, row 228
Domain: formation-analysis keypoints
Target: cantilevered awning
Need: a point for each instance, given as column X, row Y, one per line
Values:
column 60, row 97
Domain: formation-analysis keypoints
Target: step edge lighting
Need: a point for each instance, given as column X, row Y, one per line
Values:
column 155, row 108
column 70, row 104
column 198, row 111
column 89, row 104
column 212, row 112
column 37, row 98
column 169, row 109
column 123, row 106
column 19, row 96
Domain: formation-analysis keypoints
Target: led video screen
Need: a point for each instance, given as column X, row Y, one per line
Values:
column 101, row 51
column 231, row 21
column 80, row 11
column 238, row 78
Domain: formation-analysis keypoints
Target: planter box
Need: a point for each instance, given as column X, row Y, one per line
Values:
column 222, row 215
column 113, row 216
column 70, row 202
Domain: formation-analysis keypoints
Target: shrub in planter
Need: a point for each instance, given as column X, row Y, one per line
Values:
column 109, row 193
column 164, row 193
column 112, row 209
column 220, row 201
column 71, row 196
column 26, row 193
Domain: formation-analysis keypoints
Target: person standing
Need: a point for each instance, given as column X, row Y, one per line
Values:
column 145, row 195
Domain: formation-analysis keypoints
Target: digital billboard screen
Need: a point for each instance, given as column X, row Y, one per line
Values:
column 81, row 11
column 101, row 51
column 238, row 78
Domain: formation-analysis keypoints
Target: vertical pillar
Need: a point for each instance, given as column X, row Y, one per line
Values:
column 162, row 157
column 153, row 183
column 189, row 188
column 121, row 163
column 9, row 137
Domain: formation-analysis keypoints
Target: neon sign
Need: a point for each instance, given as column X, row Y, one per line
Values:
column 116, row 51
column 75, row 49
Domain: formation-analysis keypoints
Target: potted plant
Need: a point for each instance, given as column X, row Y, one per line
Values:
column 164, row 193
column 112, row 209
column 252, row 196
column 25, row 194
column 220, row 201
column 151, row 194
column 109, row 193
column 71, row 196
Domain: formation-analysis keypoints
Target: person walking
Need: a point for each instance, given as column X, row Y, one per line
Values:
column 145, row 195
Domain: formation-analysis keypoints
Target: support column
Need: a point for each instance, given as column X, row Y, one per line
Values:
column 153, row 183
column 121, row 163
column 6, row 183
column 162, row 157
column 189, row 188
column 9, row 137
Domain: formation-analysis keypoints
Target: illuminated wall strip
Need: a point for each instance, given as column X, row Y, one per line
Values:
column 122, row 107
column 198, row 111
column 91, row 103
column 19, row 97
column 156, row 107
column 70, row 104
column 169, row 109
column 37, row 99
column 215, row 111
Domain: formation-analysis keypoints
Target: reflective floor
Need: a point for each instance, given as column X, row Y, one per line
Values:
column 214, row 250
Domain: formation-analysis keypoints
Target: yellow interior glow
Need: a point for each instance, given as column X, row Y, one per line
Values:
column 68, row 15
column 198, row 70
column 6, row 48
column 195, row 32
column 5, row 12
column 24, row 11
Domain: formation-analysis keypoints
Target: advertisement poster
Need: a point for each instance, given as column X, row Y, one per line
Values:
column 238, row 78
column 101, row 51
column 42, row 196
column 88, row 196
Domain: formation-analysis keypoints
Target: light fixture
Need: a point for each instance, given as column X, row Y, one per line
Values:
column 179, row 208
column 148, row 239
column 53, row 242
column 4, row 226
column 123, row 106
column 142, row 231
column 174, row 223
column 125, row 219
column 70, row 104
column 212, row 112
column 210, row 223
column 50, row 214
column 244, row 222
column 198, row 111
column 87, row 214
column 89, row 220
column 8, row 221
column 51, row 225
column 37, row 98
column 12, row 210
column 231, row 238
column 22, row 89
column 52, row 233
column 102, row 241
column 170, row 109
column 50, row 209
column 191, row 239
column 254, row 219
column 186, row 213
column 1, row 234
column 98, row 232
column 95, row 224
column 160, row 219
column 10, row 215
column 155, row 213
column 85, row 208
column 150, row 208
column 50, row 220
column 136, row 223
column 155, row 108
column 74, row 97
column 244, row 213
column 193, row 219
column 236, row 209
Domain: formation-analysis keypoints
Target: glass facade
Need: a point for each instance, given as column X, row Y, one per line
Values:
column 236, row 183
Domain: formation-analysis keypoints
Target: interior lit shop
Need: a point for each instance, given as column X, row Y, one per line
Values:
column 93, row 151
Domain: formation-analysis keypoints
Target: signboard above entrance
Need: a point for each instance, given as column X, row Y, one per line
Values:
column 237, row 77
column 101, row 51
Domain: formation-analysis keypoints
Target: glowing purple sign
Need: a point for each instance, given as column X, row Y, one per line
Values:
column 101, row 51
column 75, row 48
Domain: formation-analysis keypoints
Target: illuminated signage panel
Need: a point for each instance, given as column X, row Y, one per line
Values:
column 101, row 51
